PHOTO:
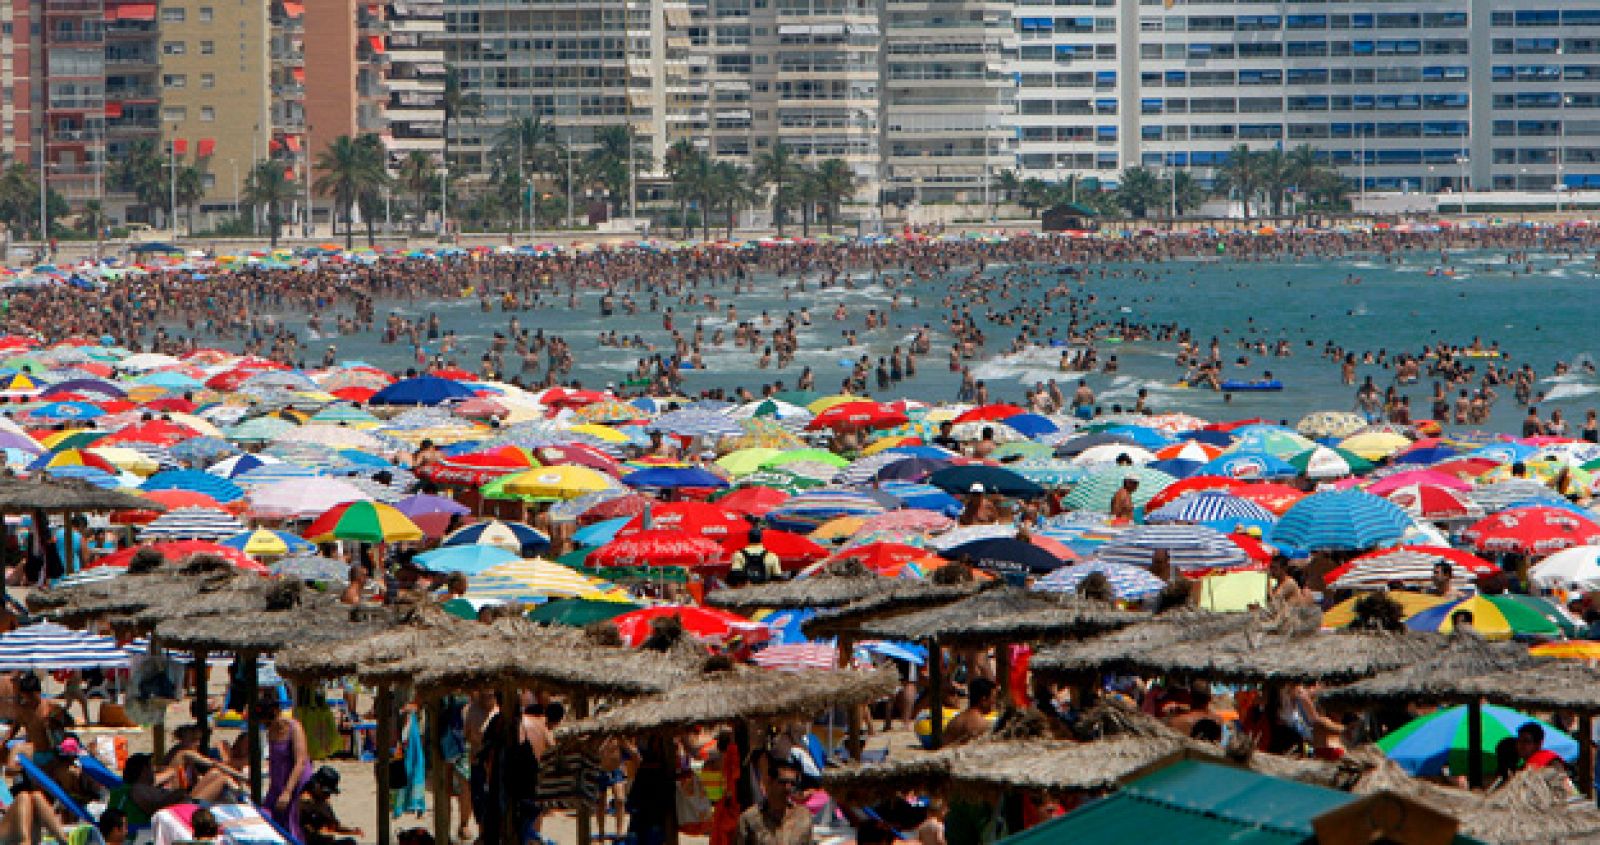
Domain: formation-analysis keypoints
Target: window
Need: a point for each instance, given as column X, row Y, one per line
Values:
column 208, row 80
column 205, row 14
column 174, row 80
column 172, row 14
column 207, row 114
column 173, row 48
column 174, row 114
column 208, row 181
column 208, row 48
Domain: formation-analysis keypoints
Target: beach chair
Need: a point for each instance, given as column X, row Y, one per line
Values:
column 36, row 776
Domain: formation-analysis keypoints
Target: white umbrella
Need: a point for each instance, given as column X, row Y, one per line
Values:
column 295, row 499
column 192, row 524
column 1577, row 568
column 47, row 645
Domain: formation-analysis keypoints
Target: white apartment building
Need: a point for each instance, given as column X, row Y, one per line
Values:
column 1401, row 95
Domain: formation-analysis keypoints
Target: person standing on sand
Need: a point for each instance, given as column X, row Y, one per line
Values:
column 288, row 763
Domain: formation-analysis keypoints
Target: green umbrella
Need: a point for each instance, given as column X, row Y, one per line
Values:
column 579, row 612
column 1329, row 462
column 798, row 397
column 1094, row 493
column 820, row 456
column 461, row 609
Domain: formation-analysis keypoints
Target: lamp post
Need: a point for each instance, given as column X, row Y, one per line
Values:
column 1462, row 160
column 44, row 193
column 444, row 200
column 172, row 182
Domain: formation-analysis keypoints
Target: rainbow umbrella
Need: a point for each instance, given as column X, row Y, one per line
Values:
column 367, row 522
column 267, row 543
column 1498, row 617
column 1426, row 744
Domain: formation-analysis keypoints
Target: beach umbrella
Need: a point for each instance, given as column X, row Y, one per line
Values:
column 71, row 410
column 1005, row 555
column 310, row 567
column 1411, row 477
column 422, row 390
column 1340, row 520
column 695, row 423
column 988, row 413
column 579, row 612
column 963, row 479
column 1128, row 583
column 1212, row 508
column 557, row 482
column 811, row 456
column 774, row 409
column 1375, row 446
column 1050, row 472
column 1094, row 492
column 240, row 464
column 366, row 522
column 766, row 433
column 1329, row 462
column 1531, row 531
column 702, row 623
column 178, row 550
column 599, row 533
column 515, row 537
column 295, row 499
column 1031, row 425
column 470, row 559
column 196, row 481
column 1426, row 455
column 1189, row 451
column 609, row 411
column 1411, row 565
column 1272, row 439
column 169, row 500
column 537, row 578
column 1319, row 424
column 797, row 657
column 671, row 478
column 1576, row 568
column 192, row 524
column 701, row 518
column 1499, row 617
column 1109, row 453
column 70, row 458
column 746, row 461
column 925, row 499
column 1426, row 501
column 431, row 513
column 266, row 543
column 1343, row 614
column 883, row 558
column 857, row 414
column 1248, row 465
column 807, row 510
column 1500, row 495
column 751, row 501
column 202, row 450
column 1188, row 548
column 51, row 647
column 1427, row 744
column 657, row 548
column 1084, row 442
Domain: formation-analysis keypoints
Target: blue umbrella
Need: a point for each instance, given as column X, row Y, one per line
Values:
column 1006, row 555
column 922, row 497
column 202, row 450
column 1149, row 438
column 1188, row 547
column 673, row 477
column 909, row 469
column 1208, row 437
column 1426, row 455
column 1177, row 467
column 98, row 477
column 1208, row 507
column 911, row 653
column 1426, row 744
column 84, row 385
column 695, row 422
column 527, row 539
column 1031, row 425
column 195, row 481
column 422, row 390
column 1127, row 582
column 1341, row 520
column 962, row 479
column 471, row 560
column 1248, row 464
column 600, row 533
column 1505, row 453
column 922, row 451
column 67, row 411
column 785, row 625
column 296, row 545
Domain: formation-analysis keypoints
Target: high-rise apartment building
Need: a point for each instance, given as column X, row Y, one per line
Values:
column 1400, row 95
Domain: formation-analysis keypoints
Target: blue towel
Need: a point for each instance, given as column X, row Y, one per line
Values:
column 413, row 797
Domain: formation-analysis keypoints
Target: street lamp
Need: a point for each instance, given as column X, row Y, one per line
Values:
column 1461, row 159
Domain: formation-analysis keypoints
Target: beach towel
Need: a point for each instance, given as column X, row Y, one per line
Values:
column 238, row 824
column 412, row 796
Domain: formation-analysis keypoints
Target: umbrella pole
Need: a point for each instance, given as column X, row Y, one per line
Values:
column 437, row 771
column 385, row 753
column 66, row 541
column 199, row 708
column 935, row 693
column 852, row 737
column 5, row 543
column 511, row 726
column 1002, row 671
column 580, row 710
column 1586, row 754
column 1475, row 743
column 252, row 727
column 158, row 736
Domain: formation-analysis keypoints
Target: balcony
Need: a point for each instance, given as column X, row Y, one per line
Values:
column 75, row 7
column 77, row 36
column 130, row 29
column 133, row 92
column 132, row 126
column 131, row 60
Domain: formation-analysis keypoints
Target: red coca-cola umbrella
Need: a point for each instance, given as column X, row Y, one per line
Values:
column 658, row 548
column 1274, row 497
column 1532, row 530
column 753, row 501
column 858, row 415
column 581, row 454
column 630, row 504
column 702, row 623
column 989, row 413
column 703, row 519
column 1193, row 484
column 882, row 557
column 171, row 500
column 180, row 549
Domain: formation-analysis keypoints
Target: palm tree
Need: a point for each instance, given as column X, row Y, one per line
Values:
column 805, row 197
column 268, row 186
column 778, row 168
column 1276, row 177
column 19, row 197
column 459, row 104
column 351, row 167
column 418, row 173
column 1035, row 194
column 142, row 171
column 607, row 164
column 1138, row 191
column 1186, row 191
column 190, row 187
column 737, row 187
column 1239, row 174
column 529, row 146
column 93, row 220
column 1009, row 183
column 681, row 162
column 835, row 182
column 1303, row 169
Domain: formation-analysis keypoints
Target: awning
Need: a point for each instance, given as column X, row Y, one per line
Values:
column 113, row 109
column 294, row 10
column 293, row 142
column 180, row 146
column 377, row 43
column 208, row 146
column 299, row 75
column 135, row 12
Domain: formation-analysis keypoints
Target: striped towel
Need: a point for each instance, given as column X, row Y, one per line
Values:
column 242, row 824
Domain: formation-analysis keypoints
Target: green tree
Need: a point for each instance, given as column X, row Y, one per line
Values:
column 1276, row 177
column 835, row 183
column 683, row 165
column 529, row 146
column 419, row 172
column 805, row 197
column 1139, row 191
column 268, row 187
column 777, row 167
column 1239, row 174
column 19, row 197
column 458, row 104
column 190, row 187
column 1186, row 192
column 607, row 164
column 142, row 172
column 1035, row 194
column 737, row 188
column 93, row 222
column 351, row 167
column 1008, row 183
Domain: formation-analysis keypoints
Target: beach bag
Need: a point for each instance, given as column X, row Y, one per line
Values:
column 694, row 808
column 754, row 566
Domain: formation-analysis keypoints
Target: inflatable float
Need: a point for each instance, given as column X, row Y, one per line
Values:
column 1251, row 386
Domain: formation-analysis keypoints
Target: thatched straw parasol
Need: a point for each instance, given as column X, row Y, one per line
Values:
column 723, row 693
column 1532, row 807
column 1004, row 615
column 65, row 496
column 1117, row 651
column 845, row 622
column 838, row 585
column 1541, row 685
column 418, row 629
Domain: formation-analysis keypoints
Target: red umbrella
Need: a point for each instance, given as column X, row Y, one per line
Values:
column 116, row 406
column 702, row 623
column 1431, row 501
column 1193, row 484
column 1274, row 497
column 354, row 394
column 989, row 413
column 1252, row 546
column 626, row 505
column 175, row 404
column 1465, row 467
column 858, row 415
column 1432, row 477
column 793, row 550
column 1237, row 424
column 581, row 454
column 561, row 397
column 475, row 469
column 711, row 521
column 1532, row 530
column 172, row 500
column 753, row 501
column 657, row 548
column 159, row 432
column 453, row 373
column 1465, row 563
column 880, row 557
column 481, row 408
column 180, row 549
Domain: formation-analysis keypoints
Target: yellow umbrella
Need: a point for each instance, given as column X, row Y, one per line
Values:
column 126, row 459
column 1343, row 614
column 544, row 578
column 1570, row 649
column 142, row 393
column 568, row 481
column 837, row 528
column 200, row 425
column 890, row 442
column 1375, row 445
column 817, row 406
column 1234, row 592
column 609, row 435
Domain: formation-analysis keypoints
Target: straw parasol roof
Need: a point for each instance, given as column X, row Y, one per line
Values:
column 838, row 587
column 312, row 618
column 1441, row 678
column 1013, row 615
column 903, row 597
column 1117, row 651
column 417, row 630
column 150, row 581
column 1295, row 651
column 723, row 693
column 67, row 495
column 1543, row 684
column 1532, row 807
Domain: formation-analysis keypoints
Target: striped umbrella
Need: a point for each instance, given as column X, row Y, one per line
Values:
column 1503, row 494
column 1127, row 582
column 1213, row 508
column 1330, row 424
column 192, row 524
column 536, row 578
column 49, row 646
column 239, row 465
column 1189, row 547
column 1577, row 568
column 367, row 522
column 1498, row 617
column 695, row 423
column 196, row 480
column 810, row 509
column 512, row 536
column 1329, row 462
column 1428, row 501
column 1050, row 472
column 472, row 560
column 1407, row 565
column 312, row 568
column 267, row 543
column 1427, row 744
column 1341, row 520
column 797, row 657
column 1094, row 493
column 295, row 499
